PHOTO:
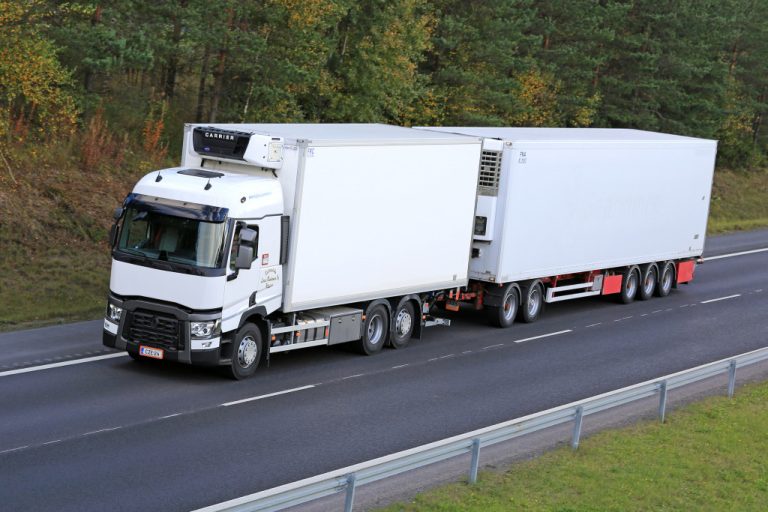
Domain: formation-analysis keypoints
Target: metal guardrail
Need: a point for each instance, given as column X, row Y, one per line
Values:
column 346, row 480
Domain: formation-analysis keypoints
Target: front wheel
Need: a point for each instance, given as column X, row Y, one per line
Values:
column 246, row 352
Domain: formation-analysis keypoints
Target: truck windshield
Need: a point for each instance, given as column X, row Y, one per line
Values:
column 174, row 239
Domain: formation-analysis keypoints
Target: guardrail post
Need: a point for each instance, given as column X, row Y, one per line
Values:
column 349, row 501
column 662, row 400
column 577, row 427
column 475, row 461
column 731, row 378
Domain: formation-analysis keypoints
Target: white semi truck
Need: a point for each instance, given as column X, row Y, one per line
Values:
column 276, row 237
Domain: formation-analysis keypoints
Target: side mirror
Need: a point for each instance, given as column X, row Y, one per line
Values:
column 118, row 213
column 248, row 239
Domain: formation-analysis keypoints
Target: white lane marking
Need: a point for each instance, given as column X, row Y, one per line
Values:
column 467, row 352
column 284, row 392
column 100, row 430
column 657, row 311
column 543, row 336
column 685, row 305
column 720, row 298
column 170, row 416
column 492, row 346
column 433, row 359
column 593, row 325
column 51, row 442
column 399, row 366
column 758, row 290
column 624, row 318
column 353, row 376
column 731, row 255
column 14, row 449
column 63, row 363
column 644, row 314
column 446, row 357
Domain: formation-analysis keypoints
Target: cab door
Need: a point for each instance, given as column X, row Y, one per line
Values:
column 260, row 285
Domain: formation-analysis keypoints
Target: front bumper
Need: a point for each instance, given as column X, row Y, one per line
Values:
column 177, row 346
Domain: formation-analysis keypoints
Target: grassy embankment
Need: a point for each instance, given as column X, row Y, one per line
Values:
column 54, row 223
column 55, row 217
column 709, row 456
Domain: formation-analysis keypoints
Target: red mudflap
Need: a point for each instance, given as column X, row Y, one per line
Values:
column 611, row 284
column 685, row 271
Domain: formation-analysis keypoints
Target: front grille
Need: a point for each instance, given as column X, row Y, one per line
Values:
column 153, row 328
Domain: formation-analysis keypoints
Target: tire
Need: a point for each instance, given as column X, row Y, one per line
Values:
column 648, row 281
column 531, row 302
column 403, row 323
column 247, row 348
column 630, row 284
column 666, row 279
column 375, row 330
column 504, row 314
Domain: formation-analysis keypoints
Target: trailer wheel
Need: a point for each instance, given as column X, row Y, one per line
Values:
column 504, row 314
column 403, row 324
column 246, row 352
column 532, row 302
column 648, row 282
column 630, row 284
column 667, row 280
column 374, row 330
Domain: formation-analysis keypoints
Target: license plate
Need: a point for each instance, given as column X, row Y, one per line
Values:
column 154, row 353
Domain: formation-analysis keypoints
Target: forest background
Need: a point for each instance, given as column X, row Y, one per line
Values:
column 95, row 93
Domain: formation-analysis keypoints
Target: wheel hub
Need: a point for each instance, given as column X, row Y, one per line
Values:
column 534, row 301
column 375, row 327
column 247, row 351
column 403, row 322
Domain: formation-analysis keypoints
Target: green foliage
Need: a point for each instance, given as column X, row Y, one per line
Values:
column 663, row 70
column 34, row 99
column 696, row 67
column 479, row 50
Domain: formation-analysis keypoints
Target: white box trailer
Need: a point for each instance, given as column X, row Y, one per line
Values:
column 356, row 195
column 554, row 203
column 563, row 200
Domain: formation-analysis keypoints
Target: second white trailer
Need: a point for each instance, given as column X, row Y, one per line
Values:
column 563, row 200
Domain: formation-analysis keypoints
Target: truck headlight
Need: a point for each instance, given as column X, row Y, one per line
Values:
column 114, row 313
column 204, row 329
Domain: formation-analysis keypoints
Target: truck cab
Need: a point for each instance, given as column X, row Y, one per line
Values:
column 194, row 250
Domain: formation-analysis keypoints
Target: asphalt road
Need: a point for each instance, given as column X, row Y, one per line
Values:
column 113, row 434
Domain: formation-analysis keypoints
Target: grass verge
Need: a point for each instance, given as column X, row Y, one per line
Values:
column 711, row 455
column 739, row 201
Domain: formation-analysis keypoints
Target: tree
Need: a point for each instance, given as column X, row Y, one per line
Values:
column 34, row 95
column 743, row 141
column 378, row 47
column 480, row 50
column 663, row 70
